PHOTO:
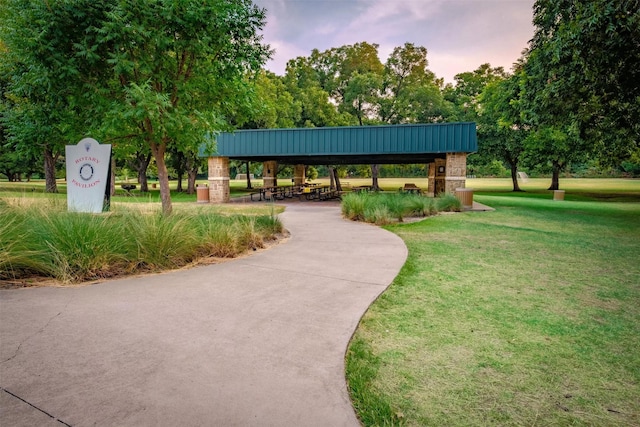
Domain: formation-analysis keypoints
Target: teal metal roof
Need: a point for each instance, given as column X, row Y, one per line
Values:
column 395, row 143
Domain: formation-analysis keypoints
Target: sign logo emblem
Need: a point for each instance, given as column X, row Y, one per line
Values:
column 86, row 172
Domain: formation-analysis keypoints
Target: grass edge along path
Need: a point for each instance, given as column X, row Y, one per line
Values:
column 529, row 315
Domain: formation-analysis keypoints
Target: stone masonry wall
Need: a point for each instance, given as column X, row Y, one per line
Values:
column 219, row 191
column 269, row 173
column 456, row 170
column 298, row 175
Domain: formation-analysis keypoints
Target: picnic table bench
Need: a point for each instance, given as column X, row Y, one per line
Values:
column 411, row 188
column 127, row 188
column 362, row 188
column 273, row 193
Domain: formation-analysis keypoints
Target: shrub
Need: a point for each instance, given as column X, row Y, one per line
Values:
column 419, row 205
column 353, row 206
column 382, row 207
column 396, row 205
column 447, row 202
column 378, row 214
column 19, row 253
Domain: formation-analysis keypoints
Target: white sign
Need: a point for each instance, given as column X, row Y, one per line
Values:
column 87, row 175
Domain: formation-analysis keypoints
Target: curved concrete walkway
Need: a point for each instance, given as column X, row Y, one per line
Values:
column 258, row 341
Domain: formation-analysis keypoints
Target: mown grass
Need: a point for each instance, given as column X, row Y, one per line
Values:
column 529, row 315
column 40, row 239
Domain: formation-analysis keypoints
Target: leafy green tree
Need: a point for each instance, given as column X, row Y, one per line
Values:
column 273, row 105
column 583, row 70
column 336, row 67
column 170, row 70
column 501, row 130
column 46, row 63
column 360, row 97
column 410, row 92
column 176, row 66
column 463, row 96
column 316, row 109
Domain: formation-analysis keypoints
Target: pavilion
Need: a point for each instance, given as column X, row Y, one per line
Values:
column 442, row 146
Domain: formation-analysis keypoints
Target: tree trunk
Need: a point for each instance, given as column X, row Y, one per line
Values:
column 514, row 177
column 158, row 151
column 179, row 187
column 374, row 177
column 332, row 178
column 142, row 180
column 335, row 180
column 248, row 177
column 192, row 175
column 555, row 177
column 193, row 165
column 50, row 171
column 142, row 164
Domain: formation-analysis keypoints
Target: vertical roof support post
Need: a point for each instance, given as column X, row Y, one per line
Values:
column 298, row 175
column 219, row 191
column 431, row 179
column 456, row 172
column 270, row 173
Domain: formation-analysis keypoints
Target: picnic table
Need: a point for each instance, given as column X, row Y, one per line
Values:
column 127, row 188
column 309, row 192
column 274, row 193
column 411, row 188
column 362, row 188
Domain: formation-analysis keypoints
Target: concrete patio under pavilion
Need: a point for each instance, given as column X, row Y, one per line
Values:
column 442, row 146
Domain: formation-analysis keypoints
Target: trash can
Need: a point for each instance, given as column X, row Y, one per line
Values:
column 558, row 194
column 465, row 195
column 202, row 193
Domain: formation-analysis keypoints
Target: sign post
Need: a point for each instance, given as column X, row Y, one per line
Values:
column 88, row 176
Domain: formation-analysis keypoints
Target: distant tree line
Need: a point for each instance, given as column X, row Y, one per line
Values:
column 153, row 80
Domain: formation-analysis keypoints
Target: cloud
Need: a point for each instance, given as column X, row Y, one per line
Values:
column 458, row 34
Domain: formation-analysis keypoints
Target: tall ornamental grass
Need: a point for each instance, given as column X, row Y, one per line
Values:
column 44, row 240
column 384, row 208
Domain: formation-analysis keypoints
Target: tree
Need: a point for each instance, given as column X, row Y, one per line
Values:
column 360, row 97
column 170, row 70
column 405, row 75
column 468, row 86
column 316, row 110
column 501, row 130
column 583, row 72
column 272, row 104
column 44, row 69
column 177, row 64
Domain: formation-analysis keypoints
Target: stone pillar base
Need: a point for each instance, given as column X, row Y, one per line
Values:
column 219, row 191
column 456, row 172
column 298, row 175
column 269, row 173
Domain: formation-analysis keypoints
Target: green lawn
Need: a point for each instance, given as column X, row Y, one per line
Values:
column 528, row 315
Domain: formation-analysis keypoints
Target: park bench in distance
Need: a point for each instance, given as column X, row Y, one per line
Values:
column 127, row 188
column 411, row 188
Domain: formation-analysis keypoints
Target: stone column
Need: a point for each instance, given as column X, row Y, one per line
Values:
column 298, row 175
column 441, row 173
column 219, row 191
column 269, row 173
column 431, row 179
column 456, row 169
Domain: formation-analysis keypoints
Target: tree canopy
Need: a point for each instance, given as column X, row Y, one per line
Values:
column 584, row 72
column 160, row 72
